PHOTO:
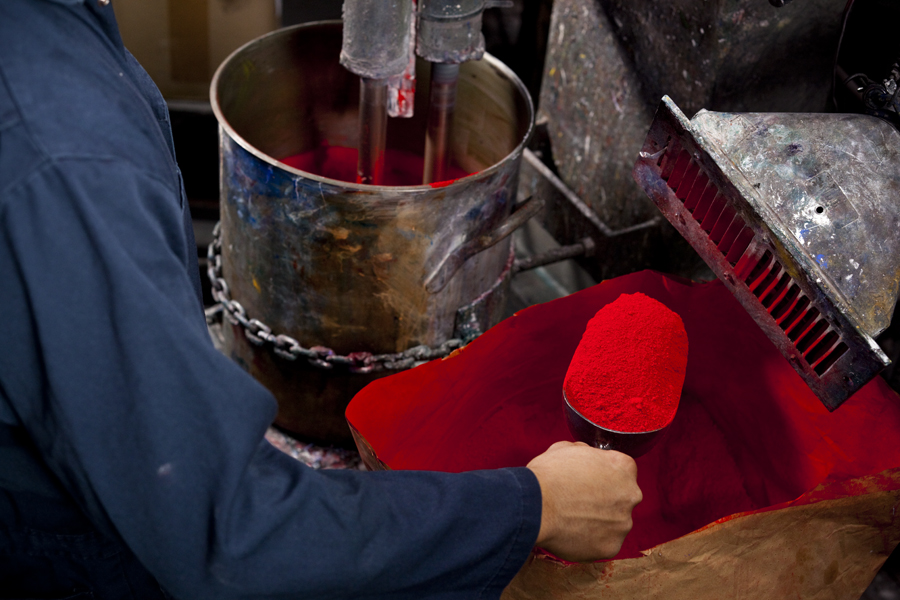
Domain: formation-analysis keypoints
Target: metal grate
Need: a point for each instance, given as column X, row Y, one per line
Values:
column 717, row 207
column 816, row 341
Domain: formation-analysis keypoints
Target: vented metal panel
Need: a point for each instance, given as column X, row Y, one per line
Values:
column 815, row 340
column 706, row 198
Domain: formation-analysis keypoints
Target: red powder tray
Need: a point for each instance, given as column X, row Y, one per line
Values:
column 756, row 486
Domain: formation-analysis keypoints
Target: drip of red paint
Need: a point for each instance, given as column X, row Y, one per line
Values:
column 627, row 372
column 339, row 162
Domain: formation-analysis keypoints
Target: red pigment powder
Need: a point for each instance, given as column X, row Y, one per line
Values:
column 749, row 434
column 627, row 372
column 339, row 162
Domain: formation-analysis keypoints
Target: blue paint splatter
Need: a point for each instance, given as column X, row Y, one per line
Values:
column 820, row 258
column 803, row 234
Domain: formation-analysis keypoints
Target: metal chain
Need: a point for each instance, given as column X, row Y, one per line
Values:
column 286, row 347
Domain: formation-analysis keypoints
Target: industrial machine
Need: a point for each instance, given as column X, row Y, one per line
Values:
column 797, row 214
column 795, row 210
column 780, row 201
column 786, row 209
column 778, row 198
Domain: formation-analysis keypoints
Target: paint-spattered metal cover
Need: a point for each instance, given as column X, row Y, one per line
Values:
column 798, row 215
column 832, row 183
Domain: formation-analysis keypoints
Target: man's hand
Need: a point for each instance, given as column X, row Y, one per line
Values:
column 588, row 496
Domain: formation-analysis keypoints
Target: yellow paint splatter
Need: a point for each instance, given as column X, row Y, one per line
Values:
column 552, row 71
column 256, row 285
column 339, row 233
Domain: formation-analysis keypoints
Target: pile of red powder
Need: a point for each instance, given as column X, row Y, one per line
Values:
column 749, row 434
column 626, row 374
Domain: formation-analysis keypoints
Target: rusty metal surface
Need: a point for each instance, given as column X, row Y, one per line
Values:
column 339, row 264
column 723, row 215
column 609, row 62
column 288, row 348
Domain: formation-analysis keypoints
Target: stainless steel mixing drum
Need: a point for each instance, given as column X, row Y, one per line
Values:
column 353, row 268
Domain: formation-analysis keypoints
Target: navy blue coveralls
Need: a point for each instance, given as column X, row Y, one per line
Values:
column 132, row 457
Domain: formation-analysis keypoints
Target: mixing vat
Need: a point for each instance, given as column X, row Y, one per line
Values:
column 326, row 274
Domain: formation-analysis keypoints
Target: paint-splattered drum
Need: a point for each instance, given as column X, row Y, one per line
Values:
column 343, row 265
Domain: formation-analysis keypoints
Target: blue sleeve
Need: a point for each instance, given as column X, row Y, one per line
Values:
column 161, row 437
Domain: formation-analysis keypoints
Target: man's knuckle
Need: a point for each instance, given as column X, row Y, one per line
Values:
column 632, row 467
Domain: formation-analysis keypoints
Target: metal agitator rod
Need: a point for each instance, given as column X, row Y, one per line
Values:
column 440, row 118
column 372, row 130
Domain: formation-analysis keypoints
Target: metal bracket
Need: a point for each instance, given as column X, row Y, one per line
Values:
column 440, row 277
column 560, row 196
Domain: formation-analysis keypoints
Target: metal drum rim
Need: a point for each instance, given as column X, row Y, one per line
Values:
column 285, row 31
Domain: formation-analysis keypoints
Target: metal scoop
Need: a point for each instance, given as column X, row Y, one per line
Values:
column 633, row 444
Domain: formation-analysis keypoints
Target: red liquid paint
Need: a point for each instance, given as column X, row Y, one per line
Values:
column 339, row 162
column 749, row 435
column 627, row 372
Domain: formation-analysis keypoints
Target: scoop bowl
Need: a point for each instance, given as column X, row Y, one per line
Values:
column 633, row 444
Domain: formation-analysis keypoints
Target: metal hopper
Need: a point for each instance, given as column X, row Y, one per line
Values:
column 798, row 215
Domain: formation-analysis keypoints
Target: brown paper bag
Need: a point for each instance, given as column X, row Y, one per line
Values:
column 828, row 549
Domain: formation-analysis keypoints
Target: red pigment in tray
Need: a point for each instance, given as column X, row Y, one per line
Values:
column 627, row 372
column 749, row 433
column 339, row 162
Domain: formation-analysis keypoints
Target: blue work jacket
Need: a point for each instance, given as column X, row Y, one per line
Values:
column 132, row 456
